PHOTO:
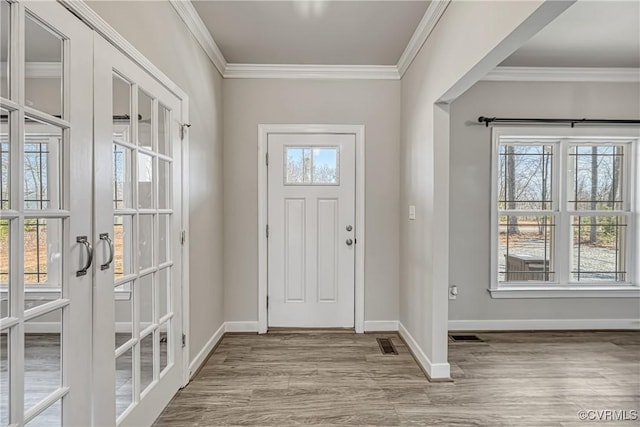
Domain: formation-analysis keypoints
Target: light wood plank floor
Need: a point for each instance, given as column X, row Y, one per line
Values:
column 327, row 378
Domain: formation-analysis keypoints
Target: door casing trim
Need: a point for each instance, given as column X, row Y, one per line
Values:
column 263, row 135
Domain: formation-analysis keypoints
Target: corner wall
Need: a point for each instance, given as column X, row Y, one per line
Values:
column 157, row 31
column 470, row 203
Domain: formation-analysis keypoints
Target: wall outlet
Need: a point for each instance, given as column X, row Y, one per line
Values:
column 453, row 292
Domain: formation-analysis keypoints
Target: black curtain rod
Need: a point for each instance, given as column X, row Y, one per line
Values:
column 488, row 120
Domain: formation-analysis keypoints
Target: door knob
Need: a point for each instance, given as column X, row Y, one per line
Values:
column 349, row 242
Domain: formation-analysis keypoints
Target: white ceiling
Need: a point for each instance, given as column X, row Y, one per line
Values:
column 588, row 34
column 312, row 31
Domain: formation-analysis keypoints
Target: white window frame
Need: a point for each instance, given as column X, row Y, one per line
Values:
column 562, row 138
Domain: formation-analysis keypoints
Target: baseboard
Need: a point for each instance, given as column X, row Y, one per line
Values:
column 435, row 371
column 241, row 327
column 202, row 355
column 542, row 324
column 381, row 326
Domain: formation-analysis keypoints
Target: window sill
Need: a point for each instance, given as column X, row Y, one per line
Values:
column 588, row 291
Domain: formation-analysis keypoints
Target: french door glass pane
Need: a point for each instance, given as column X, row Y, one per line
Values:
column 164, row 231
column 43, row 260
column 5, row 31
column 42, row 357
column 145, row 291
column 123, row 245
column 124, row 382
column 145, row 241
column 164, row 131
column 122, row 185
column 5, row 158
column 124, row 313
column 4, row 378
column 5, row 257
column 145, row 108
column 121, row 109
column 163, row 291
column 43, row 45
column 50, row 417
column 164, row 343
column 146, row 361
column 164, row 185
column 42, row 165
column 145, row 181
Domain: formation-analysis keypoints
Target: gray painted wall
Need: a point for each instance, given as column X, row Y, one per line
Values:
column 247, row 103
column 470, row 192
column 157, row 31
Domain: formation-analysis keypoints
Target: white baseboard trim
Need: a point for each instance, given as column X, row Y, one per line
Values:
column 380, row 325
column 435, row 371
column 241, row 326
column 542, row 324
column 201, row 357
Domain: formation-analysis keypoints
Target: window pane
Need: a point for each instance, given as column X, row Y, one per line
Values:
column 164, row 131
column 145, row 181
column 146, row 361
column 596, row 174
column 598, row 248
column 5, row 14
column 164, row 185
column 122, row 245
column 122, row 185
column 5, row 258
column 526, row 177
column 325, row 165
column 42, row 166
column 123, row 295
column 298, row 165
column 42, row 358
column 42, row 45
column 42, row 259
column 164, row 337
column 124, row 381
column 50, row 417
column 5, row 159
column 525, row 248
column 164, row 282
column 121, row 108
column 145, row 292
column 4, row 378
column 145, row 242
column 163, row 238
column 145, row 106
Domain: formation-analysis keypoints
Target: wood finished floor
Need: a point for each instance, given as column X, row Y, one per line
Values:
column 320, row 378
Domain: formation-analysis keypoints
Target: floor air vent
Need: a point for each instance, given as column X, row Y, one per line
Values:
column 464, row 338
column 386, row 346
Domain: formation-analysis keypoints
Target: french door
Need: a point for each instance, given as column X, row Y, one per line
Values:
column 45, row 225
column 90, row 260
column 137, row 296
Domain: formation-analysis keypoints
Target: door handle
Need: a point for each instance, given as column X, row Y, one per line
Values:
column 349, row 242
column 89, row 248
column 105, row 237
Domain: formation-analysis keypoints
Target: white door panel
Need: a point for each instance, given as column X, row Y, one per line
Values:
column 311, row 217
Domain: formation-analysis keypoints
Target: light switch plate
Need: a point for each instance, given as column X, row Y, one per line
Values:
column 412, row 212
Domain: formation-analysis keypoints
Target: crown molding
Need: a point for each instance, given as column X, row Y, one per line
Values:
column 194, row 23
column 291, row 71
column 421, row 34
column 563, row 74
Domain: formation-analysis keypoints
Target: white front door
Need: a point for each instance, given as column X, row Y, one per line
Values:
column 311, row 234
column 45, row 216
column 138, row 354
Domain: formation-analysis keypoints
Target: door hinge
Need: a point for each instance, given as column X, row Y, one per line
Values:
column 267, row 231
column 184, row 340
column 183, row 237
column 266, row 159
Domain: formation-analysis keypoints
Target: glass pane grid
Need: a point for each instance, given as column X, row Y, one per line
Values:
column 5, row 159
column 5, row 48
column 525, row 180
column 312, row 165
column 598, row 248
